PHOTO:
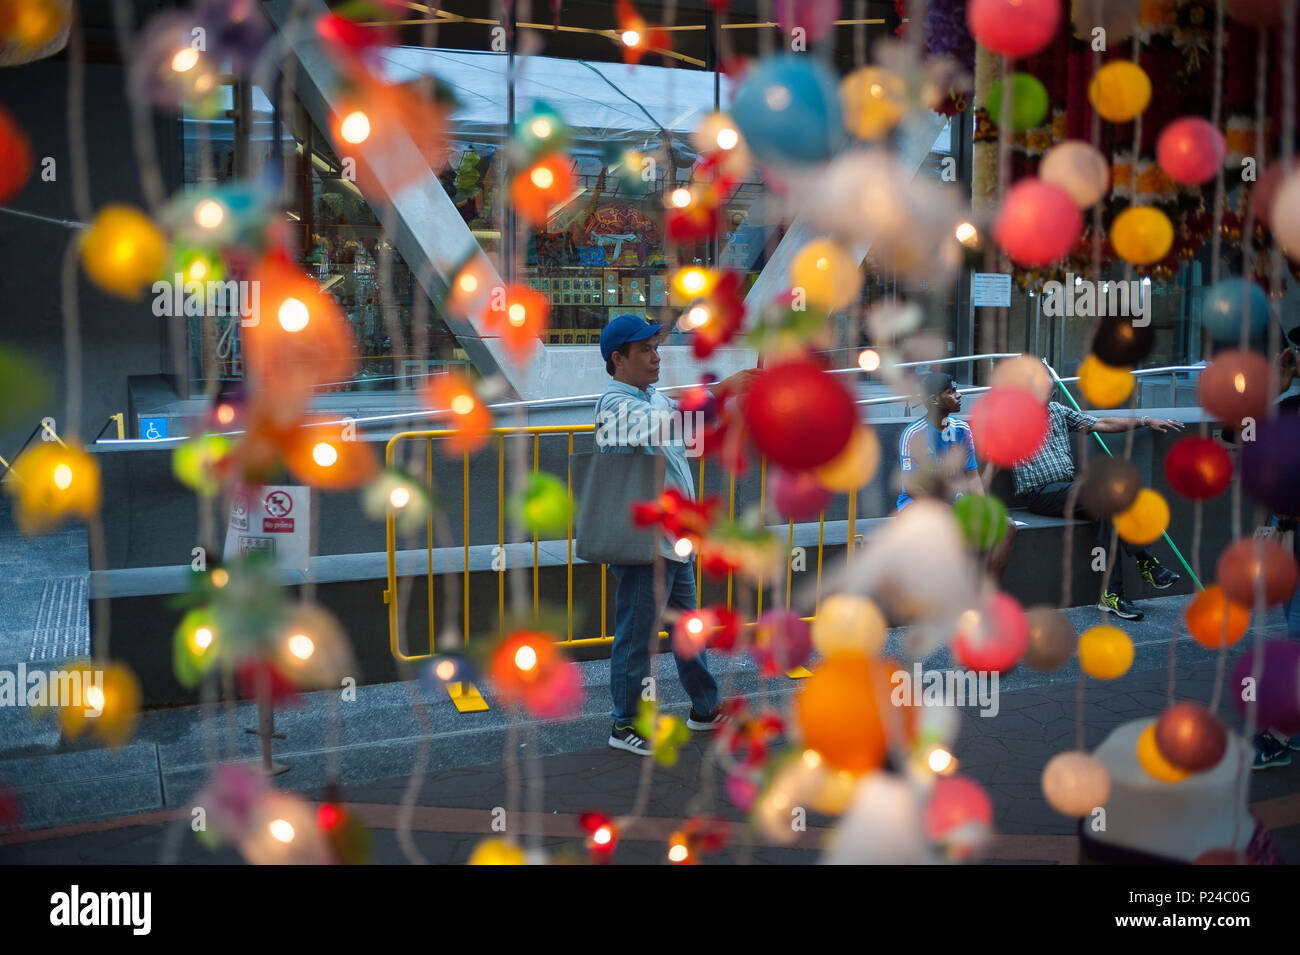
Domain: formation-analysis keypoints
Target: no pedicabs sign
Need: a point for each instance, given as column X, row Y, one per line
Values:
column 275, row 519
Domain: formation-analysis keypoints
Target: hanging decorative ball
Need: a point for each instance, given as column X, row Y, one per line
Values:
column 788, row 110
column 1105, row 386
column 1198, row 468
column 1105, row 652
column 839, row 711
column 312, row 649
column 855, row 466
column 1013, row 27
column 1260, row 14
column 959, row 815
column 874, row 101
column 1263, row 192
column 1230, row 302
column 992, row 638
column 1038, row 223
column 15, row 156
column 1284, row 214
column 845, row 622
column 1234, row 386
column 1121, row 344
column 1079, row 168
column 781, row 642
column 496, row 851
column 1141, row 235
column 541, row 187
column 1190, row 737
column 815, row 17
column 195, row 462
column 1028, row 102
column 983, row 520
column 1246, row 561
column 1143, row 521
column 52, row 482
column 1112, row 485
column 545, row 507
column 1190, row 150
column 324, row 456
column 1075, row 783
column 798, row 415
column 1278, row 691
column 827, row 273
column 1270, row 465
column 1052, row 639
column 798, row 496
column 108, row 704
column 1023, row 371
column 1120, row 91
column 123, row 252
column 540, row 131
column 1009, row 425
column 1153, row 761
column 1214, row 621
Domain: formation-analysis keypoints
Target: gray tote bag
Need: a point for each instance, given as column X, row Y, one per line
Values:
column 610, row 481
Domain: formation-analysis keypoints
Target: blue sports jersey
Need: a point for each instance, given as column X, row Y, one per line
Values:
column 939, row 441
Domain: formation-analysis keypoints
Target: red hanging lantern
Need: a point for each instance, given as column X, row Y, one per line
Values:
column 1009, row 425
column 1198, row 468
column 798, row 415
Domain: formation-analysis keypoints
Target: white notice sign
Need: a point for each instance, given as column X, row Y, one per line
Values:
column 990, row 289
column 275, row 519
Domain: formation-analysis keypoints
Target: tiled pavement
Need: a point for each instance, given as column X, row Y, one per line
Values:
column 468, row 778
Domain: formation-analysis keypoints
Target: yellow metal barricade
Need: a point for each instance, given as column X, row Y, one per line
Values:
column 467, row 697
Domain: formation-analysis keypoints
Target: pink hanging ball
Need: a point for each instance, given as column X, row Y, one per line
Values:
column 1190, row 150
column 798, row 495
column 995, row 641
column 1014, row 27
column 1009, row 425
column 1038, row 223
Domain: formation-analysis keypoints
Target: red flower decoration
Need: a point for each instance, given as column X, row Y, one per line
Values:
column 677, row 514
column 528, row 670
column 725, row 308
column 250, row 674
column 646, row 37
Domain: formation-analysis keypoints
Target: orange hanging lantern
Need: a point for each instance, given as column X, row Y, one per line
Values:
column 518, row 315
column 52, row 483
column 1215, row 621
column 541, row 187
column 329, row 456
column 457, row 405
column 296, row 336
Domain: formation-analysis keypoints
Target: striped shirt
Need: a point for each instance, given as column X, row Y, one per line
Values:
column 938, row 441
column 1053, row 463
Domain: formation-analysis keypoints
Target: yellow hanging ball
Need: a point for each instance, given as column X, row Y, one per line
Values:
column 1142, row 235
column 1105, row 386
column 873, row 101
column 1150, row 759
column 1105, row 652
column 122, row 251
column 848, row 622
column 1145, row 519
column 1120, row 91
column 496, row 852
column 827, row 273
column 855, row 466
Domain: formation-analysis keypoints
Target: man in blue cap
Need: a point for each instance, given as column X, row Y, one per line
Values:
column 630, row 346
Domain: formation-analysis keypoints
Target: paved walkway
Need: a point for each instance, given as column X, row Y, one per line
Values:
column 575, row 772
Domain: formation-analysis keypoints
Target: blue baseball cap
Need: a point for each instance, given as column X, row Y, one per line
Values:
column 624, row 329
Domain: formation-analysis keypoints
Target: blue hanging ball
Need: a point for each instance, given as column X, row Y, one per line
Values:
column 788, row 110
column 1223, row 307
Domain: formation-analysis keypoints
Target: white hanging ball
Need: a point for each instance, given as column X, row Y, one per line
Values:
column 1075, row 783
column 1078, row 168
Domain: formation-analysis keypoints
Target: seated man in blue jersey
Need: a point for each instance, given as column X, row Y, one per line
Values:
column 937, row 458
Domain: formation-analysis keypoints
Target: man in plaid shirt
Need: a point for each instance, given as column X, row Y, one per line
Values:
column 1043, row 485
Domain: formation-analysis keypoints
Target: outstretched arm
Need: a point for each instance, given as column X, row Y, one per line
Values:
column 1114, row 424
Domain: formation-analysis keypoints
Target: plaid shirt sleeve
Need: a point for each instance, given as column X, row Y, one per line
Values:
column 1075, row 420
column 1053, row 462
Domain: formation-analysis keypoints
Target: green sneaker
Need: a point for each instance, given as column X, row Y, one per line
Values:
column 1157, row 574
column 1114, row 603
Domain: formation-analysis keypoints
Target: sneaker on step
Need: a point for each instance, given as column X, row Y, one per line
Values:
column 626, row 737
column 1116, row 604
column 1157, row 574
column 713, row 721
column 1270, row 752
column 1294, row 741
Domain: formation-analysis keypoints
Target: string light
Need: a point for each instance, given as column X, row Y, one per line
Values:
column 185, row 60
column 681, row 198
column 525, row 658
column 631, row 38
column 400, row 497
column 355, row 127
column 293, row 315
column 869, row 359
column 325, row 454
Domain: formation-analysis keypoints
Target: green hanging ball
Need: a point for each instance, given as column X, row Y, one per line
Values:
column 545, row 507
column 1028, row 103
column 983, row 519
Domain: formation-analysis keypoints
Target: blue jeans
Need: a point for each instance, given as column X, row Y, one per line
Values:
column 634, row 614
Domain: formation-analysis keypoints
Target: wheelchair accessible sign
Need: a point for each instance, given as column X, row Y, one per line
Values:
column 275, row 519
